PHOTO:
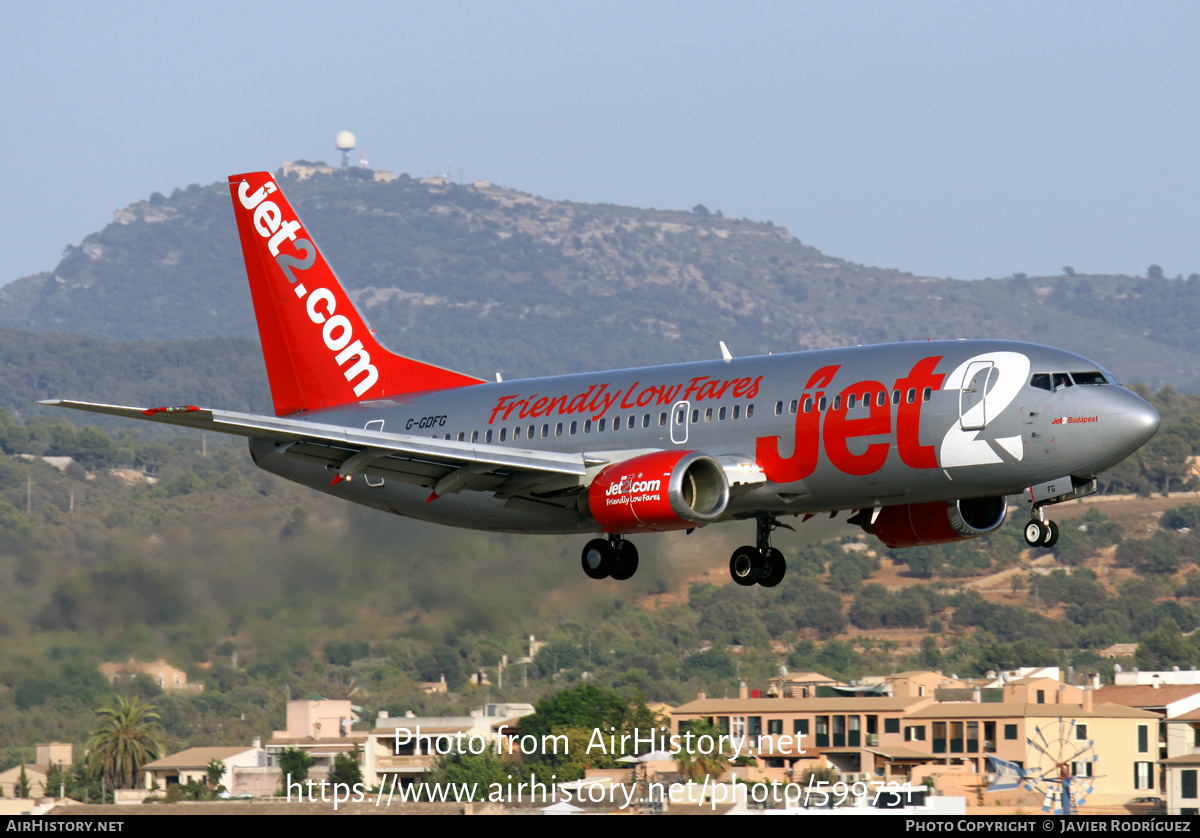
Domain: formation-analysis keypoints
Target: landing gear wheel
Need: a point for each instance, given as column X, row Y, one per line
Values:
column 625, row 560
column 1051, row 534
column 774, row 567
column 598, row 559
column 1035, row 533
column 746, row 565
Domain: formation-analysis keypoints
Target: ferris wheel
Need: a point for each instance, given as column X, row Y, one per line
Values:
column 1061, row 768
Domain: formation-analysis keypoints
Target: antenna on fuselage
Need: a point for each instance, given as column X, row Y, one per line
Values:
column 725, row 352
column 499, row 378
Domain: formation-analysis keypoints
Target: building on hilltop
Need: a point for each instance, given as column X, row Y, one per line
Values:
column 303, row 170
column 162, row 673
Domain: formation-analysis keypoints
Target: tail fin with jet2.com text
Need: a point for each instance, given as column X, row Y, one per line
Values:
column 318, row 348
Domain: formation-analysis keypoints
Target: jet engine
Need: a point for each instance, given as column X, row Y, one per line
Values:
column 666, row 490
column 939, row 522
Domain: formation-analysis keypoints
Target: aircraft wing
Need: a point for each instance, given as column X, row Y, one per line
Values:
column 444, row 465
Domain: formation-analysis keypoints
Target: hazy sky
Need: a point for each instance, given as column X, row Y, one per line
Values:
column 947, row 139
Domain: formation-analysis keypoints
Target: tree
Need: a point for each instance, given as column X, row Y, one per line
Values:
column 129, row 736
column 214, row 772
column 56, row 781
column 294, row 764
column 1186, row 516
column 1166, row 646
column 579, row 714
column 697, row 760
column 346, row 770
column 477, row 771
column 21, row 787
column 1154, row 272
column 821, row 778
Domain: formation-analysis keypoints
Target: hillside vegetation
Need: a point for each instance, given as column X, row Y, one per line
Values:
column 261, row 589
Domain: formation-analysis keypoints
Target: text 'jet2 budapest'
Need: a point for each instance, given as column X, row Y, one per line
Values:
column 919, row 442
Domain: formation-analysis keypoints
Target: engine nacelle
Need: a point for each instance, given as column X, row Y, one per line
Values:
column 666, row 490
column 939, row 522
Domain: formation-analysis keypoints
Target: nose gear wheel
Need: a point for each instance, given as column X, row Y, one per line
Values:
column 1040, row 532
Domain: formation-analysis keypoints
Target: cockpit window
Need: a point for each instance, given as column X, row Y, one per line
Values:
column 1089, row 377
column 1040, row 380
column 1061, row 381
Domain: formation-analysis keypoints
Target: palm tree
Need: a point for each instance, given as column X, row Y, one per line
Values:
column 128, row 738
column 698, row 762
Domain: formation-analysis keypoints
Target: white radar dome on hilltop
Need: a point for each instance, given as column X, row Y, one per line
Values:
column 345, row 140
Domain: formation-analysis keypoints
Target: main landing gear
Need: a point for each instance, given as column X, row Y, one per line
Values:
column 615, row 557
column 1040, row 532
column 761, row 564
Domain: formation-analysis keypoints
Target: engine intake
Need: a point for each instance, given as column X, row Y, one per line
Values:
column 666, row 490
column 938, row 522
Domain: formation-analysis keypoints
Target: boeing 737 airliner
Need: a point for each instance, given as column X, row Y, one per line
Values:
column 921, row 443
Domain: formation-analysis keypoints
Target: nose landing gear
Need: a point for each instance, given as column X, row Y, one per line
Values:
column 1040, row 532
column 615, row 557
column 762, row 564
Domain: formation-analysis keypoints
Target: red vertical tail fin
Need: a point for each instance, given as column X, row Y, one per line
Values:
column 319, row 350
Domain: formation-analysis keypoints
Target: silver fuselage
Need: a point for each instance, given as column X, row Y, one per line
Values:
column 945, row 420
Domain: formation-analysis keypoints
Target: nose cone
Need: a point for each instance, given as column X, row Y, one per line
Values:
column 1131, row 421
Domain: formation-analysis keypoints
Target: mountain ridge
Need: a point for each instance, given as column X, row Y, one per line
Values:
column 486, row 279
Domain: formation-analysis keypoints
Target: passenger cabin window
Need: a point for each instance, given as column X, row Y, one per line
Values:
column 721, row 415
column 708, row 414
column 737, row 410
column 792, row 407
column 749, row 411
column 695, row 416
column 662, row 419
column 880, row 398
column 503, row 434
column 778, row 408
